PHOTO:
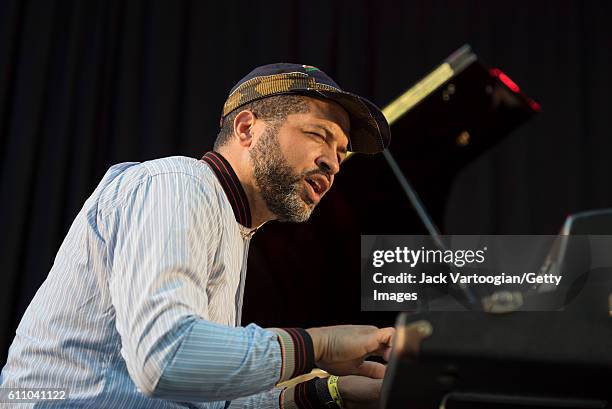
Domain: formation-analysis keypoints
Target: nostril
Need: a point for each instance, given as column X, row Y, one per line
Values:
column 327, row 169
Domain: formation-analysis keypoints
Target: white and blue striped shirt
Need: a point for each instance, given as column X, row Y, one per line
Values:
column 141, row 306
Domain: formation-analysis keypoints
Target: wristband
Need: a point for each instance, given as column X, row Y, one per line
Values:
column 332, row 385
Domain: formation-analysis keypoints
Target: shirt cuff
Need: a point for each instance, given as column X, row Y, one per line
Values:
column 312, row 394
column 297, row 352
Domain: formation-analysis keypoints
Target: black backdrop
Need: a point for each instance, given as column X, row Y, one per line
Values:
column 86, row 84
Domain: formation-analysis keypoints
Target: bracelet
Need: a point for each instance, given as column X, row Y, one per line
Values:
column 332, row 385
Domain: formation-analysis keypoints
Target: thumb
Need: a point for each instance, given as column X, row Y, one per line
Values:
column 385, row 336
column 381, row 338
column 381, row 342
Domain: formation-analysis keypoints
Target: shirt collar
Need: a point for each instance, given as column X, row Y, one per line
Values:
column 231, row 186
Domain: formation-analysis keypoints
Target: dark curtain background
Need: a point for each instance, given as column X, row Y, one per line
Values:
column 86, row 84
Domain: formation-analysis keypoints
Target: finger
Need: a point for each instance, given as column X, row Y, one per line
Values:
column 380, row 342
column 385, row 336
column 372, row 369
column 381, row 338
column 387, row 354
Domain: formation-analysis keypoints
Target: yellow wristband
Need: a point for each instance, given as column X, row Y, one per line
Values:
column 332, row 385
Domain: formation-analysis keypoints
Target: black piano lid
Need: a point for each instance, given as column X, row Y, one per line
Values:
column 439, row 125
column 460, row 108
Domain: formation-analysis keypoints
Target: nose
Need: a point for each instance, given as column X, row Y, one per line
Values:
column 328, row 163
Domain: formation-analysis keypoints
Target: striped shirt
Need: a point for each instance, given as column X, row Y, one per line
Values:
column 141, row 308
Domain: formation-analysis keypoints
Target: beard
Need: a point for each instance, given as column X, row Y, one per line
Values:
column 280, row 187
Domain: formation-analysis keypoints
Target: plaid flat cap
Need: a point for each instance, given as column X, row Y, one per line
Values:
column 370, row 131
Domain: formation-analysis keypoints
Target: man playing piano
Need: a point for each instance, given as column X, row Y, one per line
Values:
column 141, row 308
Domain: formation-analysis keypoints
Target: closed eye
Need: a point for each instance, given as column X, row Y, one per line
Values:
column 317, row 135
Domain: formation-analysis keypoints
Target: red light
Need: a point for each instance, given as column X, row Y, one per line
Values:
column 534, row 105
column 505, row 79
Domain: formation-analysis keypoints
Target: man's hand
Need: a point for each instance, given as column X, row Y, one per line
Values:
column 359, row 392
column 342, row 349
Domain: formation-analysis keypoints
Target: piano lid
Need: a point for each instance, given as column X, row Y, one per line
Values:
column 456, row 112
column 439, row 126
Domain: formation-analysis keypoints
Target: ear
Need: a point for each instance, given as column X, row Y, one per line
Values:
column 243, row 127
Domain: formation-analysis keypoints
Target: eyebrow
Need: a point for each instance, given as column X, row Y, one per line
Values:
column 341, row 149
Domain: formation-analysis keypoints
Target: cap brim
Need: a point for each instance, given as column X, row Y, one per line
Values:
column 370, row 131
